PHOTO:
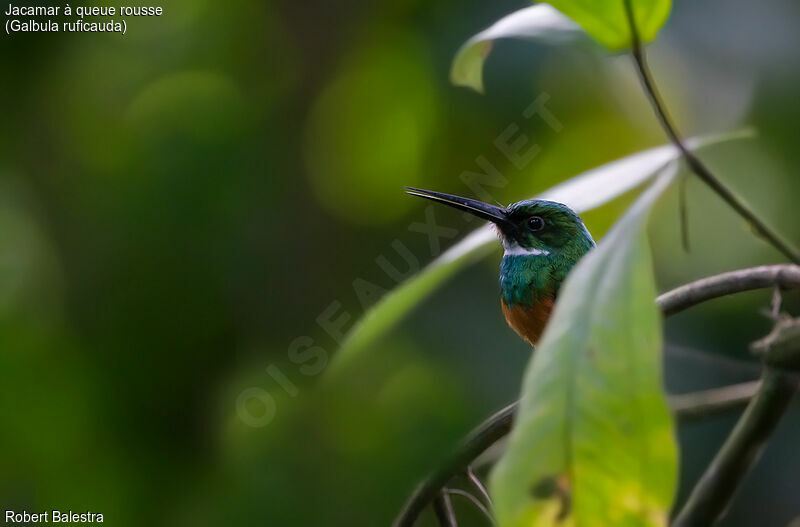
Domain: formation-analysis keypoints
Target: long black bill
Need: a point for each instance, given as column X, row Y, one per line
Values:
column 480, row 209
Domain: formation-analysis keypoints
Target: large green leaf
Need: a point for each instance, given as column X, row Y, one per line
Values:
column 606, row 20
column 539, row 22
column 593, row 442
column 583, row 192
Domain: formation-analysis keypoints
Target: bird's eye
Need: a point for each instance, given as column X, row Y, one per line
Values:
column 535, row 223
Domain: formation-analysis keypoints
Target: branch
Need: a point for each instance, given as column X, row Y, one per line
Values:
column 709, row 402
column 781, row 348
column 685, row 406
column 444, row 510
column 694, row 163
column 688, row 406
column 693, row 293
column 780, row 351
column 481, row 438
column 741, row 450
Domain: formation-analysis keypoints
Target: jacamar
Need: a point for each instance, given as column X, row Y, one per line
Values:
column 543, row 240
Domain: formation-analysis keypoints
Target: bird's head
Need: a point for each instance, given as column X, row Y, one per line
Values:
column 529, row 227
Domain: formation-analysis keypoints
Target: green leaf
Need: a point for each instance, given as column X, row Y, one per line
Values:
column 564, row 20
column 593, row 443
column 607, row 22
column 583, row 192
column 539, row 22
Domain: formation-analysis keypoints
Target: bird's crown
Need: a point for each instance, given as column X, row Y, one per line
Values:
column 542, row 225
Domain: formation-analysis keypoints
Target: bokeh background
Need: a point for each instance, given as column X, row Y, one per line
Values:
column 180, row 205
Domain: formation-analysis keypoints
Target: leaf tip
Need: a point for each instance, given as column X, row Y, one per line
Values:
column 467, row 68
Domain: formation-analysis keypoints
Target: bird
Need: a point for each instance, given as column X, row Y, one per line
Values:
column 542, row 242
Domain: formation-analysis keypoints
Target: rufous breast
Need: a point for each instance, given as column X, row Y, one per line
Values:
column 529, row 321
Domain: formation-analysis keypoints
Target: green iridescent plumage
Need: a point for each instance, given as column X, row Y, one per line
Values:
column 543, row 240
column 544, row 257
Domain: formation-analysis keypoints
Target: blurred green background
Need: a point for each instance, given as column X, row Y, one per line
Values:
column 179, row 207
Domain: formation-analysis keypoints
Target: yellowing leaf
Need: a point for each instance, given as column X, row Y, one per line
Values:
column 593, row 442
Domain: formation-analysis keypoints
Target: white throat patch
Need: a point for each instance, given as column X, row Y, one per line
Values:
column 514, row 249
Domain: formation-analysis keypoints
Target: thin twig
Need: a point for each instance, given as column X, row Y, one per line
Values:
column 712, row 494
column 775, row 305
column 694, row 163
column 478, row 485
column 498, row 425
column 683, row 211
column 444, row 510
column 475, row 501
column 717, row 362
